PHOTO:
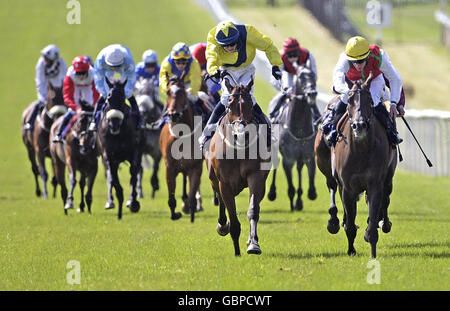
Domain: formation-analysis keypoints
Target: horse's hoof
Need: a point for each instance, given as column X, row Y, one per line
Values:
column 65, row 212
column 175, row 216
column 254, row 249
column 185, row 208
column 351, row 252
column 109, row 205
column 68, row 206
column 199, row 208
column 215, row 201
column 385, row 226
column 298, row 205
column 333, row 226
column 272, row 195
column 38, row 193
column 79, row 210
column 135, row 207
column 128, row 204
column 223, row 230
column 312, row 194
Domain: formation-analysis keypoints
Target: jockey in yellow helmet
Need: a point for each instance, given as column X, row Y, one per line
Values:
column 232, row 48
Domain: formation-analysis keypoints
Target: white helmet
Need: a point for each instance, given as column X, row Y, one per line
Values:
column 114, row 56
column 150, row 56
column 50, row 52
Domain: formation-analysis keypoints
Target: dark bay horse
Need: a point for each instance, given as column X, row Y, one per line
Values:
column 37, row 142
column 118, row 141
column 78, row 155
column 151, row 110
column 180, row 148
column 297, row 136
column 229, row 175
column 363, row 160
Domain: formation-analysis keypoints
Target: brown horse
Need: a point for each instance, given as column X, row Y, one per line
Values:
column 229, row 175
column 37, row 141
column 78, row 155
column 181, row 152
column 363, row 160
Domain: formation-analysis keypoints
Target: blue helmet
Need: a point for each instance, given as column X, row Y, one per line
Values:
column 226, row 33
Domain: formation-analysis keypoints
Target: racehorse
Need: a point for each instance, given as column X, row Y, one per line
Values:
column 363, row 160
column 118, row 141
column 181, row 152
column 78, row 155
column 151, row 110
column 230, row 175
column 297, row 137
column 37, row 142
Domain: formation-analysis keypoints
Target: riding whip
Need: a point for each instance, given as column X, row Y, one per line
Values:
column 409, row 128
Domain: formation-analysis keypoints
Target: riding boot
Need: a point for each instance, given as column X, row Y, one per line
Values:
column 59, row 137
column 329, row 125
column 261, row 118
column 274, row 112
column 391, row 129
column 316, row 113
column 140, row 124
column 96, row 114
column 29, row 124
column 209, row 130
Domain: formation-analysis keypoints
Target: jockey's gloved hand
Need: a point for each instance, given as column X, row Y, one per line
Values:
column 216, row 75
column 223, row 74
column 276, row 72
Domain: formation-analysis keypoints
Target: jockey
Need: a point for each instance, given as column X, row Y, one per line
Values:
column 358, row 60
column 78, row 86
column 114, row 62
column 148, row 68
column 178, row 61
column 50, row 68
column 232, row 48
column 198, row 52
column 293, row 56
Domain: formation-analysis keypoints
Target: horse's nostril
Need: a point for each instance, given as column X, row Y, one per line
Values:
column 354, row 126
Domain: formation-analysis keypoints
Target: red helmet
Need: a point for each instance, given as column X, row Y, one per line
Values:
column 291, row 44
column 199, row 53
column 80, row 63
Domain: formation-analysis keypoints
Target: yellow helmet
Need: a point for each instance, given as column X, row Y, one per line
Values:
column 357, row 48
column 180, row 50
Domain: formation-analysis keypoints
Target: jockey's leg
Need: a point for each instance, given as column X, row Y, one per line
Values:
column 208, row 132
column 96, row 114
column 136, row 113
column 275, row 105
column 59, row 137
column 37, row 106
column 383, row 116
column 316, row 112
column 330, row 123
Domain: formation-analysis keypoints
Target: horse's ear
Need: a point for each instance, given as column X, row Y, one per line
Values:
column 110, row 85
column 228, row 85
column 250, row 84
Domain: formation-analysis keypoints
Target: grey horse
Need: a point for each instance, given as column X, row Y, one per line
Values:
column 297, row 135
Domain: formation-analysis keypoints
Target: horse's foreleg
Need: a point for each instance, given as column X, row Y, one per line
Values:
column 375, row 196
column 171, row 184
column 312, row 194
column 287, row 166
column 154, row 179
column 257, row 190
column 349, row 203
column 113, row 168
column 90, row 185
column 135, row 167
column 235, row 225
column 184, row 196
column 82, row 185
column 72, row 184
column 333, row 222
column 140, row 193
column 272, row 195
column 109, row 181
column 43, row 173
column 58, row 168
column 34, row 169
column 194, row 186
column 385, row 224
column 299, row 203
column 223, row 226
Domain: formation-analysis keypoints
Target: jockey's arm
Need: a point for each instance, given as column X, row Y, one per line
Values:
column 265, row 44
column 391, row 73
column 163, row 81
column 131, row 79
column 99, row 78
column 195, row 76
column 311, row 64
column 341, row 68
column 41, row 81
column 212, row 54
column 68, row 92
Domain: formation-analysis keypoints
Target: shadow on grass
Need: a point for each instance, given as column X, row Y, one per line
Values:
column 301, row 256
